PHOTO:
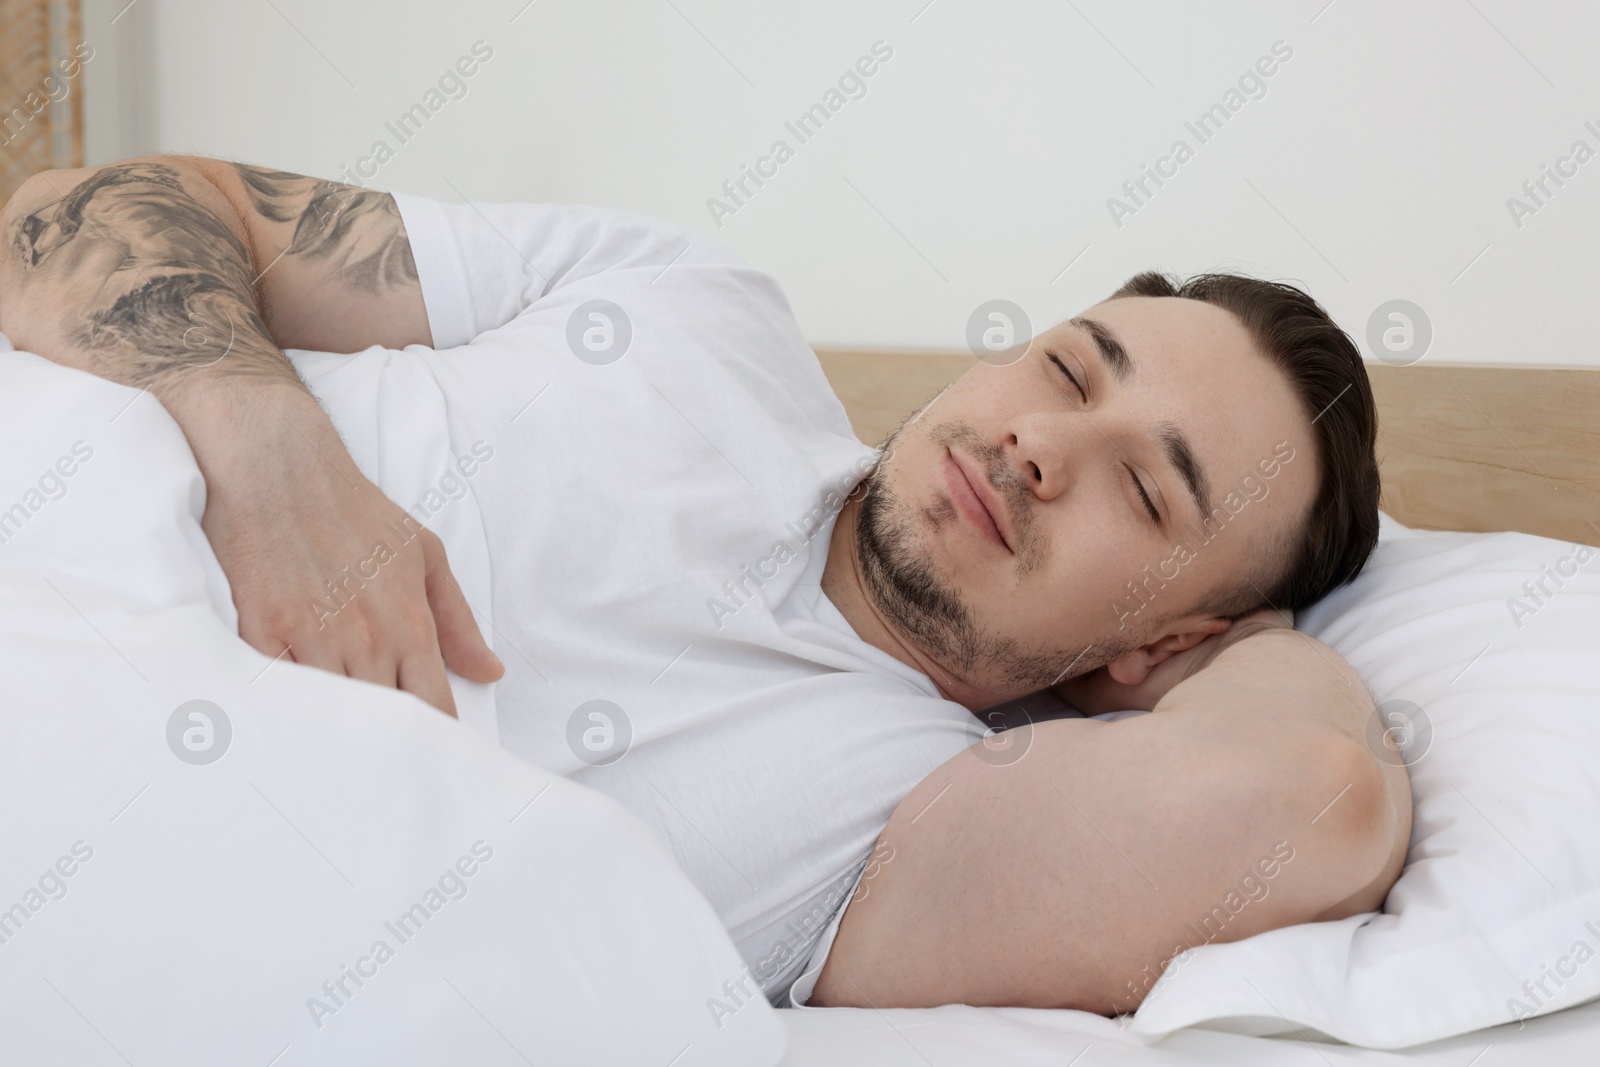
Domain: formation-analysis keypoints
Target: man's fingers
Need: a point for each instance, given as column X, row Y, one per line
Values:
column 423, row 675
column 274, row 640
column 420, row 672
column 261, row 639
column 380, row 670
column 460, row 642
column 315, row 653
column 382, row 632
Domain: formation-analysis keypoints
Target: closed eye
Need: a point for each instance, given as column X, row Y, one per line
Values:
column 1148, row 506
column 1070, row 376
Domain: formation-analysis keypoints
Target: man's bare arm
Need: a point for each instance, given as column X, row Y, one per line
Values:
column 168, row 273
column 335, row 268
column 1248, row 801
column 187, row 254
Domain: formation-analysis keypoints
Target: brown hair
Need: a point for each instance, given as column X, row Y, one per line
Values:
column 1324, row 368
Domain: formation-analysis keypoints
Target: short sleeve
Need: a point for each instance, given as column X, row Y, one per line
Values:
column 799, row 994
column 480, row 265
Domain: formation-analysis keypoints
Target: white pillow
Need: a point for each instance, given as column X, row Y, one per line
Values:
column 1497, row 914
column 159, row 908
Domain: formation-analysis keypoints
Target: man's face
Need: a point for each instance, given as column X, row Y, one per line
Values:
column 1007, row 531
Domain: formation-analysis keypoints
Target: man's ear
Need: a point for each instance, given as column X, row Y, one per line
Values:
column 1131, row 668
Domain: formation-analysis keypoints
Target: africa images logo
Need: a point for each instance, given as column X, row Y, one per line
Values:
column 199, row 732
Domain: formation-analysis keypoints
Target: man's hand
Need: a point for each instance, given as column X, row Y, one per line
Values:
column 327, row 568
column 1098, row 692
column 165, row 274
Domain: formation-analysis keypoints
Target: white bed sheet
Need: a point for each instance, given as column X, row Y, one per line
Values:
column 959, row 1036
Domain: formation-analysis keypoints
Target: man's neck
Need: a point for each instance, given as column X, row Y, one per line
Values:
column 844, row 585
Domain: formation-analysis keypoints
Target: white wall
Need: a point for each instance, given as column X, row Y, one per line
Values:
column 115, row 81
column 979, row 164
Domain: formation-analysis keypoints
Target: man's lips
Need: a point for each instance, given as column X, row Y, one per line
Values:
column 975, row 499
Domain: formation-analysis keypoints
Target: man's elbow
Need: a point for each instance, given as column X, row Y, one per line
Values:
column 1364, row 808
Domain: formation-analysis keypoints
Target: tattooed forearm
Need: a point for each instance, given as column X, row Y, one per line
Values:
column 356, row 232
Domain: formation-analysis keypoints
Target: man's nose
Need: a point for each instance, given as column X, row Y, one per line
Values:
column 1048, row 452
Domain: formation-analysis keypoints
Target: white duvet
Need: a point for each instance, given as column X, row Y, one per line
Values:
column 211, row 857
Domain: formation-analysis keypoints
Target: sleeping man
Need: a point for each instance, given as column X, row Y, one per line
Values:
column 790, row 654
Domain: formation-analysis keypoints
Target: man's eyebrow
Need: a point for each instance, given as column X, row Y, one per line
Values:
column 1181, row 456
column 1111, row 350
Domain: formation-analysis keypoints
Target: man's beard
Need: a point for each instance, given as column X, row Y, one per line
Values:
column 918, row 602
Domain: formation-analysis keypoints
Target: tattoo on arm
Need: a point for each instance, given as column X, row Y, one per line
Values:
column 137, row 279
column 150, row 282
column 357, row 232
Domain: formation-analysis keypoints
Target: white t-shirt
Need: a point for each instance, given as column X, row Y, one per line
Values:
column 657, row 525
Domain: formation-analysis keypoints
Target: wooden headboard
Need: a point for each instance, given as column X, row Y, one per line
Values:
column 1460, row 447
